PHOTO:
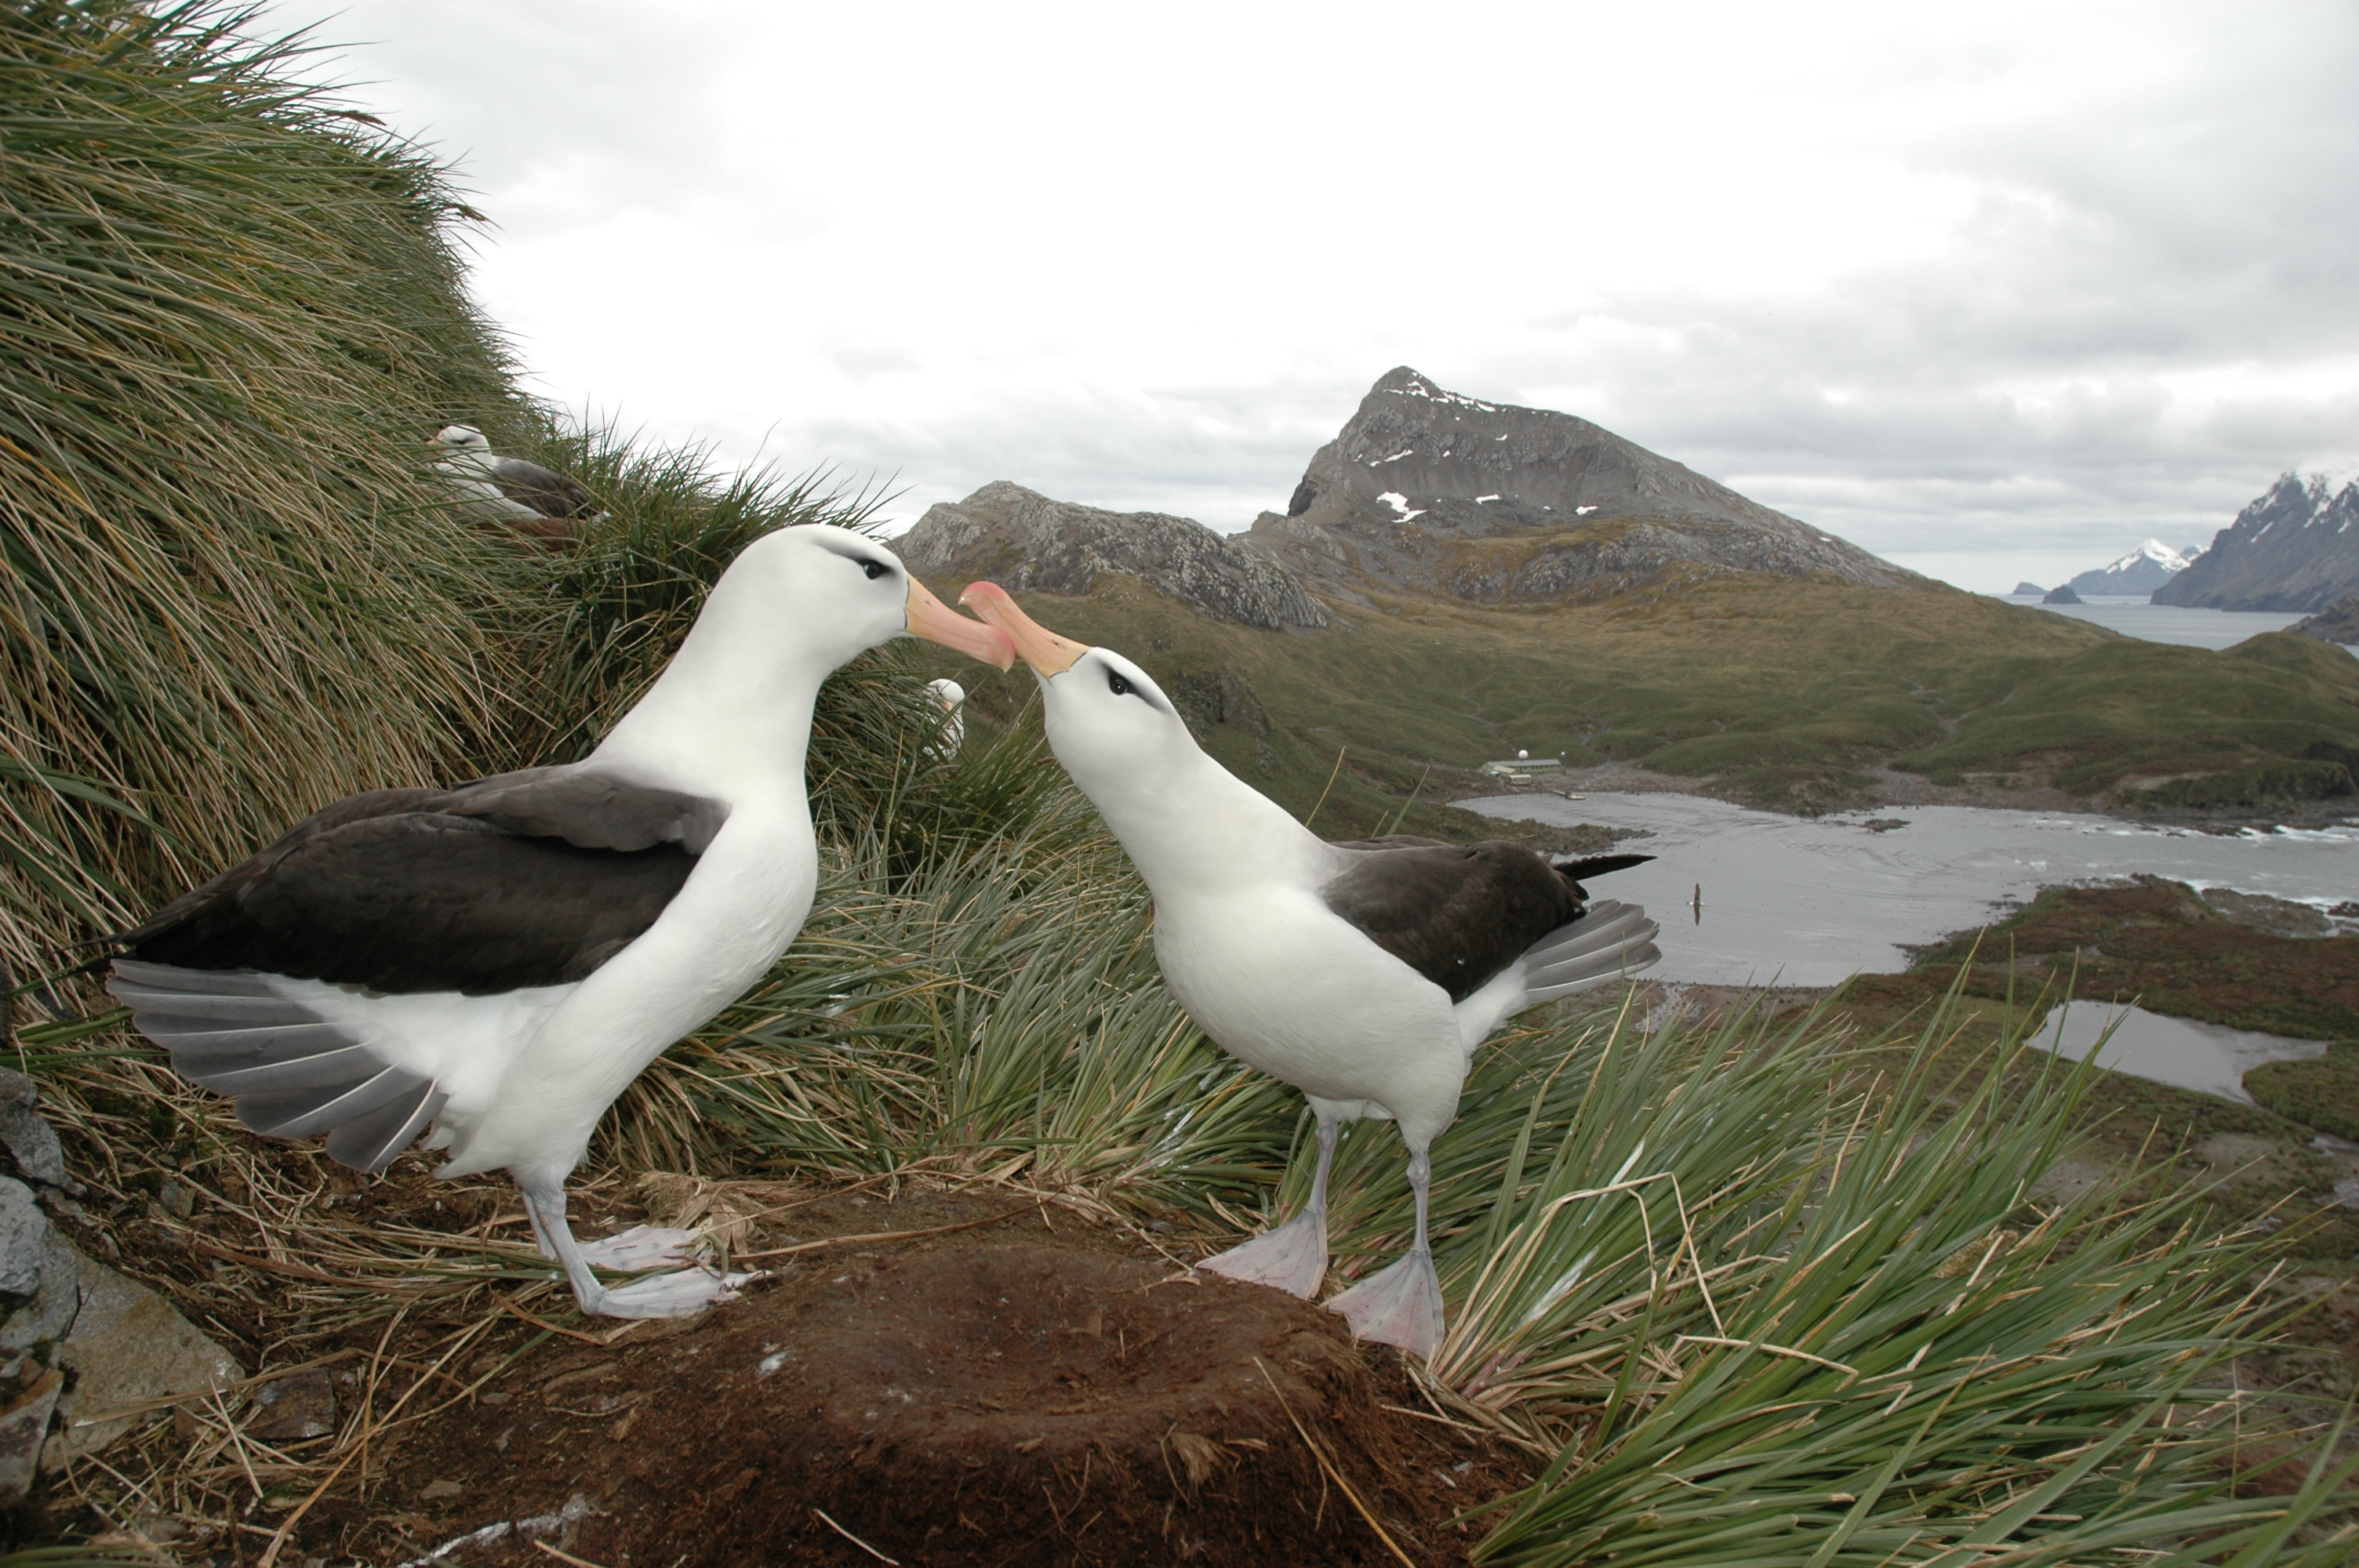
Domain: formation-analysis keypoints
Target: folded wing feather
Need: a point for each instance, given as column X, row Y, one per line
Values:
column 501, row 887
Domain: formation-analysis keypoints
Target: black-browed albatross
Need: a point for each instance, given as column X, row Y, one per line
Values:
column 500, row 959
column 1362, row 973
column 533, row 498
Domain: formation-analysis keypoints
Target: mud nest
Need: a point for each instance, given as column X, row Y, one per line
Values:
column 1018, row 1398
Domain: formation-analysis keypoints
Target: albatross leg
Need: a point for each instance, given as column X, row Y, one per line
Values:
column 660, row 1295
column 1402, row 1305
column 1292, row 1257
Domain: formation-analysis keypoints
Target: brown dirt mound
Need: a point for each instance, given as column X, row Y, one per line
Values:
column 985, row 1398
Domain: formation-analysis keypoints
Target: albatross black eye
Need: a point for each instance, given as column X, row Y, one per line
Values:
column 874, row 569
column 1116, row 684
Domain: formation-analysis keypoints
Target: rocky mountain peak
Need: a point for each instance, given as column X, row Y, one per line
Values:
column 2142, row 570
column 1027, row 543
column 2293, row 547
column 1421, row 482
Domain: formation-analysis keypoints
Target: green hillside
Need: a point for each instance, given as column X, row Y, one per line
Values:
column 1784, row 693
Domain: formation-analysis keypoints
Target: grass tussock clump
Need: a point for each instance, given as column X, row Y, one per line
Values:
column 230, row 587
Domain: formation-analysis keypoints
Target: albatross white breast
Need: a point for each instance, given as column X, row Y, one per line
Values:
column 1364, row 973
column 498, row 961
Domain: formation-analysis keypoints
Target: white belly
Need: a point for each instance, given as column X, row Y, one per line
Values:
column 1284, row 984
column 740, row 908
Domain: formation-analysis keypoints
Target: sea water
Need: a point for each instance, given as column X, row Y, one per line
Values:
column 1752, row 897
column 2135, row 617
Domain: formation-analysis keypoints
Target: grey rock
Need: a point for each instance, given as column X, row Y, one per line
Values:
column 300, row 1405
column 2063, row 594
column 23, row 1427
column 2027, row 588
column 1433, row 491
column 1027, row 543
column 56, row 1303
column 2293, row 548
column 33, row 1143
column 24, row 1233
column 128, row 1347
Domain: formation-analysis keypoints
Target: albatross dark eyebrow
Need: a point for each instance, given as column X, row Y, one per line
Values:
column 1122, row 684
column 869, row 564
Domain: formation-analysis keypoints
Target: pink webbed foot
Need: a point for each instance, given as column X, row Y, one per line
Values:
column 1292, row 1259
column 1400, row 1306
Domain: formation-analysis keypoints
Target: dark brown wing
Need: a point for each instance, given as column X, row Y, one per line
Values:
column 591, row 809
column 547, row 492
column 488, row 888
column 1459, row 913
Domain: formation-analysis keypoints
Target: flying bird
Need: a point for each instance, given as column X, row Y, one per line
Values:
column 1362, row 973
column 498, row 961
column 530, row 498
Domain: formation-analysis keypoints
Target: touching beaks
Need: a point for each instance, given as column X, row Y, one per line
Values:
column 1048, row 654
column 937, row 622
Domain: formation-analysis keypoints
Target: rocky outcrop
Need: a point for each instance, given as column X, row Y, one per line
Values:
column 2061, row 594
column 83, row 1347
column 2295, row 548
column 2338, row 623
column 1025, row 542
column 1428, row 491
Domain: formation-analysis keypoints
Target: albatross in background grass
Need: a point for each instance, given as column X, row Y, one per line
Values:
column 1364, row 974
column 530, row 498
column 500, row 959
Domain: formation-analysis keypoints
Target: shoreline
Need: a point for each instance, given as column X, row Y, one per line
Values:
column 1902, row 790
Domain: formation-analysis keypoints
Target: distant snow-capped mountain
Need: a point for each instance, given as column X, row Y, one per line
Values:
column 2142, row 570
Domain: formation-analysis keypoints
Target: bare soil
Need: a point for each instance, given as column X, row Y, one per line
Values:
column 1034, row 1391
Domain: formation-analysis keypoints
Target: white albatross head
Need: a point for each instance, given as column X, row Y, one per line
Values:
column 793, row 607
column 462, row 439
column 1109, row 723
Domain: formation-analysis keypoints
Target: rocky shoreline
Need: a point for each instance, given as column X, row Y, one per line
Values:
column 1891, row 788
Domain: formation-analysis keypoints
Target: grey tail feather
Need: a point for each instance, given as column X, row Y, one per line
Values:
column 293, row 1074
column 1604, row 967
column 1607, row 923
column 1612, row 942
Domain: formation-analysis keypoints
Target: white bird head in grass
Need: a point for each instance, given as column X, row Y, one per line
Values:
column 1109, row 723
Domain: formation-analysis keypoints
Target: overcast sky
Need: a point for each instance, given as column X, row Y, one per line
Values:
column 1995, row 291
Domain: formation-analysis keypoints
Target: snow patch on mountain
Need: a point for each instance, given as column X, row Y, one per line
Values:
column 2142, row 570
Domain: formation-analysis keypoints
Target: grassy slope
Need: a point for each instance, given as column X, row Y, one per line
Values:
column 231, row 585
column 1782, row 691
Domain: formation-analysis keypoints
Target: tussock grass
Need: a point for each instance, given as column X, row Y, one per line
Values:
column 1743, row 1301
column 229, row 587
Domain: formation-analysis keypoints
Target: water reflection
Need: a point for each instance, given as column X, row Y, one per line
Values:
column 1809, row 901
column 2203, row 1056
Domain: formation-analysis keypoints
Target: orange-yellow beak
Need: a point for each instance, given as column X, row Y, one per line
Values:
column 937, row 622
column 1048, row 654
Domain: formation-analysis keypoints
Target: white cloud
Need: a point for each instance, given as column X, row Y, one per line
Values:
column 2002, row 284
